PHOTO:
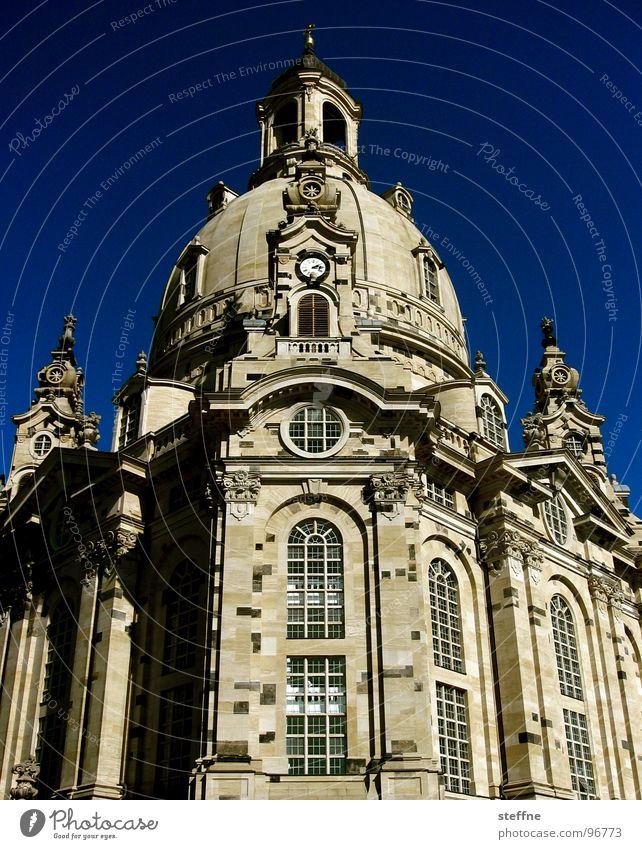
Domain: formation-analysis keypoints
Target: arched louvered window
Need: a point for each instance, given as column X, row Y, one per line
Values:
column 182, row 612
column 313, row 316
column 568, row 662
column 315, row 581
column 492, row 422
column 444, row 612
column 334, row 125
column 52, row 731
column 286, row 124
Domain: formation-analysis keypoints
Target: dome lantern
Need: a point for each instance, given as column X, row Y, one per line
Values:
column 307, row 99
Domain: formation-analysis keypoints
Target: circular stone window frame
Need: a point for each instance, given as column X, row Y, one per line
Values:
column 32, row 446
column 286, row 439
column 559, row 502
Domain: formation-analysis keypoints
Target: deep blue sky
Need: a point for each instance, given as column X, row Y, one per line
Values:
column 436, row 80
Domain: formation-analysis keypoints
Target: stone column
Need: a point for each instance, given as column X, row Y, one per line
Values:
column 408, row 768
column 516, row 672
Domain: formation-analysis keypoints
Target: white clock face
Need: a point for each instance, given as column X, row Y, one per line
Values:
column 313, row 267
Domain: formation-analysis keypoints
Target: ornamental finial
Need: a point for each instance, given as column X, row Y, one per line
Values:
column 67, row 341
column 308, row 41
column 548, row 331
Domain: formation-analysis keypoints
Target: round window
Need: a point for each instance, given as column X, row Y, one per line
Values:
column 41, row 445
column 315, row 430
column 556, row 521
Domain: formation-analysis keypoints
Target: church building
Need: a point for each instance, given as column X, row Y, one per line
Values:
column 311, row 566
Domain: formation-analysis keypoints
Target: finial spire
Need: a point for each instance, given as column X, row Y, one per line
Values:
column 67, row 341
column 480, row 363
column 308, row 41
column 548, row 331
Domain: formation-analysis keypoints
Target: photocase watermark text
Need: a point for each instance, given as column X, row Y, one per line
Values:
column 436, row 239
column 614, row 434
column 21, row 142
column 230, row 76
column 121, row 349
column 409, row 156
column 610, row 305
column 94, row 199
column 619, row 95
column 5, row 341
column 490, row 155
column 141, row 13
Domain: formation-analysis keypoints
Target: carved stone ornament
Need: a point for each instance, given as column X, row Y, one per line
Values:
column 522, row 552
column 103, row 555
column 26, row 778
column 534, row 431
column 500, row 544
column 388, row 492
column 606, row 594
column 241, row 491
column 533, row 560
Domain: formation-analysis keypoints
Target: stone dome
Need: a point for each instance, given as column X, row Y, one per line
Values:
column 388, row 285
column 308, row 198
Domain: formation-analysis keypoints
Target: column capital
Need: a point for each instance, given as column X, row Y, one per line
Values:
column 387, row 492
column 103, row 555
column 26, row 773
column 241, row 491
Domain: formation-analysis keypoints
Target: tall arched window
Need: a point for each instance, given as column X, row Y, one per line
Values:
column 580, row 760
column 556, row 521
column 568, row 662
column 286, row 124
column 578, row 743
column 444, row 612
column 492, row 422
column 313, row 316
column 129, row 421
column 334, row 125
column 52, row 731
column 431, row 280
column 182, row 612
column 315, row 581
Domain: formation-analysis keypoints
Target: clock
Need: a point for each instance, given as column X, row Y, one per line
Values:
column 313, row 267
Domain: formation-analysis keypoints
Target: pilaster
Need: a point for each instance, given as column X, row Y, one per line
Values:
column 408, row 768
column 516, row 671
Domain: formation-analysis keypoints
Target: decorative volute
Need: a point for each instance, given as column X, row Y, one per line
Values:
column 308, row 100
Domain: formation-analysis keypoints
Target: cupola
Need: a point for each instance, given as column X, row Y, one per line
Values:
column 308, row 100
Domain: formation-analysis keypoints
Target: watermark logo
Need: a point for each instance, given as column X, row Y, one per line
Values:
column 490, row 155
column 32, row 822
